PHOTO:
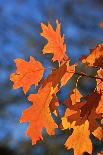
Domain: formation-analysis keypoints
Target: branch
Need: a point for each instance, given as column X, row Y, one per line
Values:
column 80, row 73
column 90, row 76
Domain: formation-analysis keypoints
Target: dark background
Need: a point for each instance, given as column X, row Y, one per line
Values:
column 19, row 38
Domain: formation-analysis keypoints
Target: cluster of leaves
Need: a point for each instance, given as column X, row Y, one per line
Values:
column 84, row 113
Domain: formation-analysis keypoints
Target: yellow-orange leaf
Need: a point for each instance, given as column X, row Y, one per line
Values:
column 27, row 73
column 39, row 114
column 98, row 133
column 79, row 140
column 65, row 123
column 55, row 43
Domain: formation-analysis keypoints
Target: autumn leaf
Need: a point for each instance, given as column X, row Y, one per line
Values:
column 86, row 110
column 99, row 85
column 54, row 103
column 79, row 140
column 56, row 76
column 75, row 96
column 69, row 73
column 98, row 133
column 95, row 57
column 99, row 109
column 39, row 114
column 65, row 123
column 99, row 81
column 55, row 43
column 27, row 73
column 101, row 153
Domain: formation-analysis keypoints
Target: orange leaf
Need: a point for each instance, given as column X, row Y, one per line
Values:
column 69, row 73
column 79, row 140
column 98, row 133
column 55, row 43
column 95, row 57
column 56, row 76
column 54, row 103
column 39, row 114
column 99, row 109
column 75, row 96
column 101, row 153
column 65, row 123
column 99, row 85
column 86, row 110
column 99, row 81
column 27, row 73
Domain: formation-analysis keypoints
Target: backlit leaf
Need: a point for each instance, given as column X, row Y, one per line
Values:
column 79, row 140
column 55, row 43
column 27, row 73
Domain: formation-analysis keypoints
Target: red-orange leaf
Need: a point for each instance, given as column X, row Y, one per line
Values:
column 39, row 114
column 55, row 43
column 79, row 140
column 27, row 73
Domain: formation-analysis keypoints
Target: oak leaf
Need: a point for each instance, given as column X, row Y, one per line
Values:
column 95, row 57
column 79, row 140
column 69, row 73
column 98, row 133
column 55, row 43
column 65, row 123
column 54, row 103
column 27, row 73
column 39, row 114
column 56, row 76
column 99, row 85
column 75, row 96
column 100, row 81
column 86, row 110
column 99, row 109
